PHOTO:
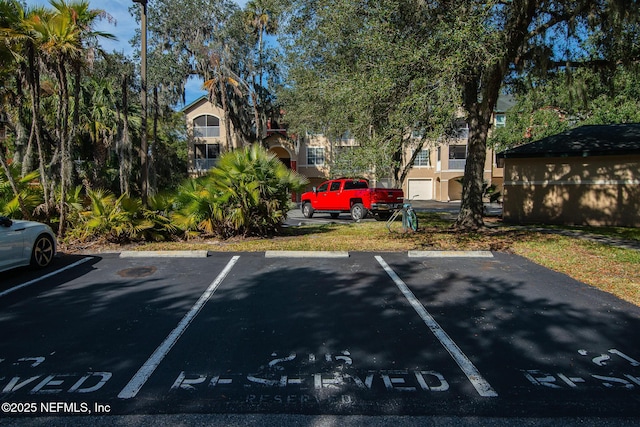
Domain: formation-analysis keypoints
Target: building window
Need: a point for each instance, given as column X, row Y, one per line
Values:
column 462, row 130
column 422, row 159
column 501, row 120
column 457, row 156
column 345, row 162
column 315, row 156
column 206, row 155
column 346, row 137
column 458, row 152
column 206, row 126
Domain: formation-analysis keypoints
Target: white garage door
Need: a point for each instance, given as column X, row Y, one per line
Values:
column 420, row 189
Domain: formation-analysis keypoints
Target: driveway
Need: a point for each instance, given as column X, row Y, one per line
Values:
column 450, row 209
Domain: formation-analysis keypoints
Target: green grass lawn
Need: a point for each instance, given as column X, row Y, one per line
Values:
column 611, row 269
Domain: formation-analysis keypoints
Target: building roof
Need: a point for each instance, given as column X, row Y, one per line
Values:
column 194, row 103
column 584, row 141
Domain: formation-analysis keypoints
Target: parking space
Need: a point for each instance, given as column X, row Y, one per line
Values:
column 83, row 333
column 358, row 333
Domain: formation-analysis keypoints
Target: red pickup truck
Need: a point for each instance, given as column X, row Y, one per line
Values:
column 351, row 195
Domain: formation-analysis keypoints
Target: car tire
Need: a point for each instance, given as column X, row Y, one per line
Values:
column 358, row 212
column 42, row 252
column 307, row 210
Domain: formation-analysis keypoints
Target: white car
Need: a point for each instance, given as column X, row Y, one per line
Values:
column 25, row 243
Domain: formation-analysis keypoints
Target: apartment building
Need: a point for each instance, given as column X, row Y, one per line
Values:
column 205, row 121
column 435, row 175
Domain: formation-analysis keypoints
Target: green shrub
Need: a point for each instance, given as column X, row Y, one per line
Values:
column 247, row 193
column 29, row 192
column 119, row 219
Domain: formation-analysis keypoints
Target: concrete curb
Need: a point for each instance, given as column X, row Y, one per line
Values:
column 306, row 254
column 164, row 254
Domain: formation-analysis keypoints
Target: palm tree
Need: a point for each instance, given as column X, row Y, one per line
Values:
column 196, row 208
column 59, row 42
column 9, row 18
column 260, row 18
column 223, row 77
column 21, row 44
column 247, row 193
column 254, row 190
column 61, row 34
column 100, row 119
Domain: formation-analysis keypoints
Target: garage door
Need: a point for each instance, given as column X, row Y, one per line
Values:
column 420, row 189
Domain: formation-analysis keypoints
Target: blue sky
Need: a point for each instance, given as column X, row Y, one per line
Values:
column 124, row 28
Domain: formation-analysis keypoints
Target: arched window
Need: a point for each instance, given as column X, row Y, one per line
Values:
column 206, row 126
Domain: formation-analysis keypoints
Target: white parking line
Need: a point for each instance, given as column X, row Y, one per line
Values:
column 479, row 383
column 143, row 374
column 46, row 276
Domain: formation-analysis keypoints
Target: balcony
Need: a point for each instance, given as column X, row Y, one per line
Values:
column 206, row 131
column 205, row 164
column 457, row 164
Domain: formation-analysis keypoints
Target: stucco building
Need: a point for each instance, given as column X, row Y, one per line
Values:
column 205, row 121
column 435, row 175
column 586, row 176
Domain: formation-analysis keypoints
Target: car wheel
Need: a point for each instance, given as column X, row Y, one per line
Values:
column 358, row 212
column 42, row 252
column 334, row 215
column 307, row 210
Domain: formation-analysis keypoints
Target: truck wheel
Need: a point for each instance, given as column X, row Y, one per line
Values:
column 307, row 210
column 358, row 212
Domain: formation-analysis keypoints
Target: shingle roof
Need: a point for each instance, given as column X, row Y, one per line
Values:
column 585, row 141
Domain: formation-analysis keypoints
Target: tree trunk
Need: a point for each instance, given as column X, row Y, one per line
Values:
column 33, row 75
column 23, row 153
column 472, row 207
column 407, row 167
column 65, row 145
column 153, row 181
column 225, row 108
column 256, row 115
column 123, row 146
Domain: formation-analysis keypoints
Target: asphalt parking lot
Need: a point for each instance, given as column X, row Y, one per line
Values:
column 467, row 334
